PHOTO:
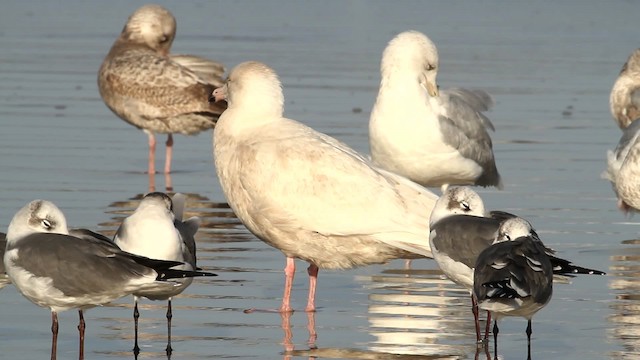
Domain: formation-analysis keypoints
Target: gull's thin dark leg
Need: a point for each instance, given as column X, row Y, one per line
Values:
column 529, row 339
column 474, row 309
column 81, row 327
column 54, row 335
column 136, row 315
column 495, row 339
column 169, row 316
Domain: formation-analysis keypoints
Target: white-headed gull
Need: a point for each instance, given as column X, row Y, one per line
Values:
column 514, row 276
column 154, row 230
column 434, row 137
column 59, row 271
column 306, row 193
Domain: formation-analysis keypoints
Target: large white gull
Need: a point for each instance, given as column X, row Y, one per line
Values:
column 306, row 193
column 433, row 137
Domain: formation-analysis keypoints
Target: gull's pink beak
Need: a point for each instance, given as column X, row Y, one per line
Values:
column 218, row 94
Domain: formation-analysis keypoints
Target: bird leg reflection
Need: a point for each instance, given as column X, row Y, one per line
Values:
column 168, row 154
column 287, row 329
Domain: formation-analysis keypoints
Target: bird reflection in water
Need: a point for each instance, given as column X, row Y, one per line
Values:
column 168, row 183
column 625, row 269
column 287, row 341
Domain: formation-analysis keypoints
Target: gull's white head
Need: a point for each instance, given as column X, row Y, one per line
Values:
column 514, row 228
column 253, row 87
column 411, row 55
column 152, row 25
column 156, row 201
column 461, row 200
column 38, row 216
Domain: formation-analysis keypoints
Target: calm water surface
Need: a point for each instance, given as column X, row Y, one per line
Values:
column 549, row 67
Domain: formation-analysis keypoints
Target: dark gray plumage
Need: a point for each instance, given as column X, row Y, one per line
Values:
column 514, row 276
column 59, row 271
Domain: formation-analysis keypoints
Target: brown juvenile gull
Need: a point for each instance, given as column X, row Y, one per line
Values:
column 306, row 193
column 153, row 90
column 625, row 94
column 59, row 271
column 156, row 230
column 431, row 136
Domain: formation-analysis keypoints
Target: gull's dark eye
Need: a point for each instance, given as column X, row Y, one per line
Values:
column 465, row 206
column 46, row 224
column 505, row 236
column 430, row 67
column 164, row 39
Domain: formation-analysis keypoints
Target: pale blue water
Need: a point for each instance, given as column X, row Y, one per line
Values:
column 59, row 142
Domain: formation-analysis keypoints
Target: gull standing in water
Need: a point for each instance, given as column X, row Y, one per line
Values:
column 514, row 276
column 153, row 230
column 623, row 169
column 461, row 230
column 59, row 271
column 625, row 94
column 433, row 137
column 307, row 194
column 153, row 90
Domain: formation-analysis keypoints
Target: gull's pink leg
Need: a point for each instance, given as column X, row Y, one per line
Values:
column 312, row 270
column 152, row 153
column 169, row 154
column 289, row 272
column 474, row 309
column 486, row 330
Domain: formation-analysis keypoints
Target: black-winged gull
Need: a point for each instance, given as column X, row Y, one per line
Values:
column 461, row 230
column 153, row 90
column 514, row 276
column 60, row 272
column 156, row 230
column 307, row 194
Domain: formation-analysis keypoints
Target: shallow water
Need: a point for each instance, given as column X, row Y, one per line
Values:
column 550, row 68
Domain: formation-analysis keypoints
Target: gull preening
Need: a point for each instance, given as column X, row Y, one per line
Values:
column 624, row 100
column 156, row 230
column 623, row 169
column 431, row 136
column 514, row 276
column 307, row 194
column 153, row 90
column 59, row 271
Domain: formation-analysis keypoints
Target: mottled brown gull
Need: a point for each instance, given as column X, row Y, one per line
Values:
column 306, row 193
column 153, row 90
column 434, row 137
column 625, row 94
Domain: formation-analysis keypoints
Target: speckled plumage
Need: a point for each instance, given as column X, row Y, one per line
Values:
column 155, row 91
column 624, row 100
column 305, row 193
column 433, row 137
